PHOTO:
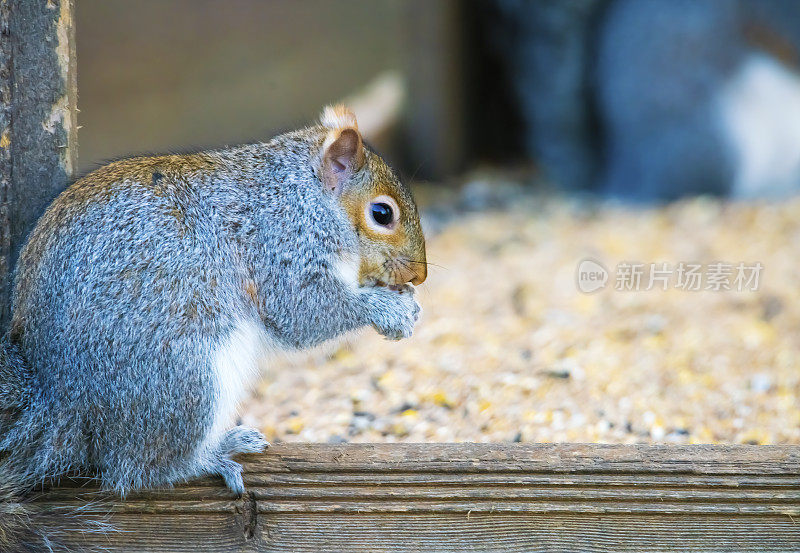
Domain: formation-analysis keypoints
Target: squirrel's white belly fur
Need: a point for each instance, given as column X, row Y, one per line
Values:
column 236, row 366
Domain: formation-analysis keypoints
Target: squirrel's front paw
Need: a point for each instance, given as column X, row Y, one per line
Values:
column 394, row 313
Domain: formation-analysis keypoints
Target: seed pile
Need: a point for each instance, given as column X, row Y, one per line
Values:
column 508, row 348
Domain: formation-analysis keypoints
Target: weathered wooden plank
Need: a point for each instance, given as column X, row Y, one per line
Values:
column 38, row 130
column 600, row 458
column 513, row 533
column 461, row 497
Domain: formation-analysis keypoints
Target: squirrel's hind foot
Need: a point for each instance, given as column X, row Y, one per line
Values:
column 243, row 439
column 231, row 473
column 239, row 439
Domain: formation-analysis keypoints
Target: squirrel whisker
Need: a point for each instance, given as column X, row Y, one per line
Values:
column 426, row 263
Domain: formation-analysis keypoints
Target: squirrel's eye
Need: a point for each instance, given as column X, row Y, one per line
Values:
column 382, row 213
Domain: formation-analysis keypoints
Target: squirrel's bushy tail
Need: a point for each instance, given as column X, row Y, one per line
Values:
column 21, row 528
column 25, row 528
column 17, row 525
column 15, row 387
column 14, row 518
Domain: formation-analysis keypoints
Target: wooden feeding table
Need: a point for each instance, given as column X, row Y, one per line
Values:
column 461, row 497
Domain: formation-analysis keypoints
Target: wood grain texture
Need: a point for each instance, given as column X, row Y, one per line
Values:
column 38, row 129
column 458, row 497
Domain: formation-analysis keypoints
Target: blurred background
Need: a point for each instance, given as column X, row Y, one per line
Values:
column 640, row 99
column 535, row 134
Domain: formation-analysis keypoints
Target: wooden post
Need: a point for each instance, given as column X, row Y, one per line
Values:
column 38, row 130
column 490, row 498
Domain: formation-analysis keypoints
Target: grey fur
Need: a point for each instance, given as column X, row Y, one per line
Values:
column 137, row 274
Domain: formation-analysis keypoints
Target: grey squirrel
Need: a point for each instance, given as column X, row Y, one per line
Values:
column 150, row 288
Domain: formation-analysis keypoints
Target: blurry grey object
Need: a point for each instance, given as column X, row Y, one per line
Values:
column 661, row 66
column 547, row 45
column 760, row 111
column 657, row 99
column 761, row 103
column 690, row 102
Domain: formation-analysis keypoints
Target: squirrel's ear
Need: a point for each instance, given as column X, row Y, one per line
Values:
column 343, row 150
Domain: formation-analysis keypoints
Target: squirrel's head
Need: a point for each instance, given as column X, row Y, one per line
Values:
column 381, row 208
